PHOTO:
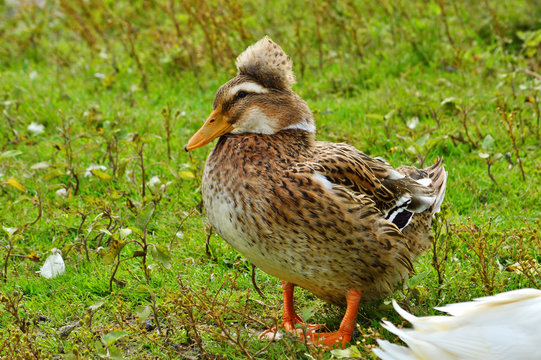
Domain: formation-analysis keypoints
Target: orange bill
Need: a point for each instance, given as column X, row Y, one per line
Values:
column 215, row 126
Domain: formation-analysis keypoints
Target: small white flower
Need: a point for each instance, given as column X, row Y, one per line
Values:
column 99, row 75
column 33, row 75
column 180, row 235
column 35, row 128
column 412, row 123
column 163, row 187
column 62, row 192
column 88, row 171
column 183, row 113
column 154, row 181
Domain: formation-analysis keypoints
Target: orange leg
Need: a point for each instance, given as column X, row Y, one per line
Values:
column 289, row 318
column 344, row 333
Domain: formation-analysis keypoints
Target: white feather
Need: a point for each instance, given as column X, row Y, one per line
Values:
column 53, row 266
column 249, row 87
column 503, row 326
column 424, row 182
column 322, row 179
column 395, row 175
column 303, row 125
column 441, row 195
column 255, row 121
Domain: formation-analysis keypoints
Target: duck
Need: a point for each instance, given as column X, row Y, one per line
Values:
column 501, row 326
column 319, row 215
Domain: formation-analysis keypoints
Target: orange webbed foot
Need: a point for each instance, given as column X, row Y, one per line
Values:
column 296, row 326
column 291, row 322
column 340, row 338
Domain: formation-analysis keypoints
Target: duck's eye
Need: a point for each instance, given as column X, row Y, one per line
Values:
column 241, row 94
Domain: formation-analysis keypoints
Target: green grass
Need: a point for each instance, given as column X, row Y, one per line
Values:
column 366, row 70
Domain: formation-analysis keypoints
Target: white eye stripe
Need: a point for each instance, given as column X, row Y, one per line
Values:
column 247, row 87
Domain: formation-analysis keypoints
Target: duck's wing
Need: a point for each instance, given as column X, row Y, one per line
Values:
column 348, row 222
column 398, row 193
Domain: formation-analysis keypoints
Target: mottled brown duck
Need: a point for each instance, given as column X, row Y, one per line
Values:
column 319, row 215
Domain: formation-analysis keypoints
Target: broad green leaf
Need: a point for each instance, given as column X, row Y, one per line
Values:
column 122, row 166
column 112, row 253
column 54, row 173
column 144, row 289
column 450, row 103
column 161, row 254
column 10, row 153
column 115, row 194
column 350, row 352
column 374, row 116
column 9, row 230
column 389, row 114
column 115, row 353
column 105, row 231
column 422, row 140
column 144, row 217
column 40, row 165
column 100, row 350
column 416, row 279
column 488, row 143
column 101, row 174
column 95, row 306
column 483, row 155
column 112, row 337
column 307, row 313
column 124, row 233
column 142, row 312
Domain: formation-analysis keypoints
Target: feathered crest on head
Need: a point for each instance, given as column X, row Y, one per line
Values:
column 268, row 63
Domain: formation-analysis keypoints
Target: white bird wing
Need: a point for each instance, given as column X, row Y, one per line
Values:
column 504, row 326
column 490, row 301
column 389, row 351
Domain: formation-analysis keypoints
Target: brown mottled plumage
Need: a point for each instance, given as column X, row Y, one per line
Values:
column 319, row 215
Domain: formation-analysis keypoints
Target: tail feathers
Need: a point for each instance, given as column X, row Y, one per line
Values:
column 427, row 188
column 438, row 175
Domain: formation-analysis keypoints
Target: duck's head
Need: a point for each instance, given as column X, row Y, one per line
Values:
column 258, row 100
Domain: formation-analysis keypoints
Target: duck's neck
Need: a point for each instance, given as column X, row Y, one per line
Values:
column 291, row 143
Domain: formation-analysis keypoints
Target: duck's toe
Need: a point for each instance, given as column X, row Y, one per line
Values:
column 333, row 340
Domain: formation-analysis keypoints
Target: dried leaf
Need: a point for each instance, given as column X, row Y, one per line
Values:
column 186, row 175
column 33, row 257
column 16, row 184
